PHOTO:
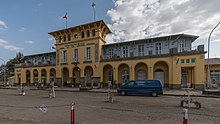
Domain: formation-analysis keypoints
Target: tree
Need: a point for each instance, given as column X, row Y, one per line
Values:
column 11, row 63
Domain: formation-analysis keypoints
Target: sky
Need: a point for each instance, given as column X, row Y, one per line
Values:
column 24, row 24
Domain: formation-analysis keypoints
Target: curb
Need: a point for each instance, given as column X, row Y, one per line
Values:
column 115, row 92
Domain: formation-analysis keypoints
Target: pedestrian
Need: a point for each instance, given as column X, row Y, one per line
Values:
column 52, row 91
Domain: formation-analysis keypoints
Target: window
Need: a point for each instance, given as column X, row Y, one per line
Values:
column 93, row 32
column 141, row 50
column 60, row 39
column 150, row 52
column 125, row 52
column 88, row 52
column 158, row 48
column 64, row 56
column 64, row 38
column 193, row 60
column 88, row 33
column 182, row 46
column 35, row 60
column 75, row 36
column 42, row 59
column 215, row 76
column 75, row 55
column 111, row 52
column 50, row 59
column 187, row 61
column 131, row 83
column 182, row 61
column 82, row 35
column 69, row 37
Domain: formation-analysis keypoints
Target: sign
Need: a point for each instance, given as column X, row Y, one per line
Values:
column 43, row 108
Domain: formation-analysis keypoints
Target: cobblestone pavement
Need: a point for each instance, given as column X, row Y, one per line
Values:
column 93, row 108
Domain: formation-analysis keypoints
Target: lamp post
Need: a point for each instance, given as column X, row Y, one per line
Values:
column 4, row 71
column 57, row 62
column 208, row 77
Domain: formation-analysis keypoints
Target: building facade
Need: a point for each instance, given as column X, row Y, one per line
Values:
column 214, row 67
column 84, row 59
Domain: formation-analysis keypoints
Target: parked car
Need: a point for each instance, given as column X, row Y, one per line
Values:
column 152, row 87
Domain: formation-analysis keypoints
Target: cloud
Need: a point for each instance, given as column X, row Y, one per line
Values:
column 150, row 18
column 22, row 29
column 5, row 44
column 50, row 38
column 3, row 25
column 29, row 42
column 214, row 42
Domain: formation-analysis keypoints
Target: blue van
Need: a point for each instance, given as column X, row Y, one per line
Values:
column 152, row 87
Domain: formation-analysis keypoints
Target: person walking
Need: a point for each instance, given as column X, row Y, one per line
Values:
column 52, row 91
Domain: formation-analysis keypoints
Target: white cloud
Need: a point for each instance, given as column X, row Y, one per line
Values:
column 29, row 42
column 5, row 44
column 150, row 18
column 22, row 29
column 3, row 25
column 214, row 42
column 50, row 38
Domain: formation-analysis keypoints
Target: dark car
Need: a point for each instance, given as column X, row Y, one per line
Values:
column 152, row 87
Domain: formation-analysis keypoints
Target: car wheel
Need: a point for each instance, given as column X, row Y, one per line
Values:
column 123, row 93
column 154, row 94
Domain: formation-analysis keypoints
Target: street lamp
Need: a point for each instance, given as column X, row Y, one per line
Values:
column 209, row 79
column 4, row 71
column 57, row 62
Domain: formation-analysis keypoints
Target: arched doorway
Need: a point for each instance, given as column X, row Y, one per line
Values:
column 52, row 74
column 76, row 76
column 65, row 77
column 161, row 73
column 108, row 75
column 123, row 73
column 88, row 73
column 43, row 77
column 141, row 71
column 36, row 80
column 28, row 77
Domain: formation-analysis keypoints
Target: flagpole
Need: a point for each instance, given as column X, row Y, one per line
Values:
column 66, row 23
column 94, row 10
column 65, row 17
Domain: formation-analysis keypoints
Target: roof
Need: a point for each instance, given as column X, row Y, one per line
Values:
column 175, row 36
column 40, row 54
column 79, row 26
column 213, row 61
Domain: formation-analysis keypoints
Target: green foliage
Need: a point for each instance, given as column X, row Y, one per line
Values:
column 11, row 63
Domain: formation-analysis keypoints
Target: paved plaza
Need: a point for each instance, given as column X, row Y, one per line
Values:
column 93, row 108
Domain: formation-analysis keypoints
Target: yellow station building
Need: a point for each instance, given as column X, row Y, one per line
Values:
column 83, row 58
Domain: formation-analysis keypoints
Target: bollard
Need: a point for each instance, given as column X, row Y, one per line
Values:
column 72, row 114
column 185, row 116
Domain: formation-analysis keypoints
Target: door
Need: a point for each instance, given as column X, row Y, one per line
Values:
column 184, row 78
column 159, row 75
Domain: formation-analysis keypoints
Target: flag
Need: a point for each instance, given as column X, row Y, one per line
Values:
column 65, row 17
column 93, row 5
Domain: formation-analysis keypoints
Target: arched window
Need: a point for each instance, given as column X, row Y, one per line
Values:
column 60, row 39
column 64, row 38
column 93, row 32
column 88, row 33
column 75, row 36
column 69, row 37
column 82, row 34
